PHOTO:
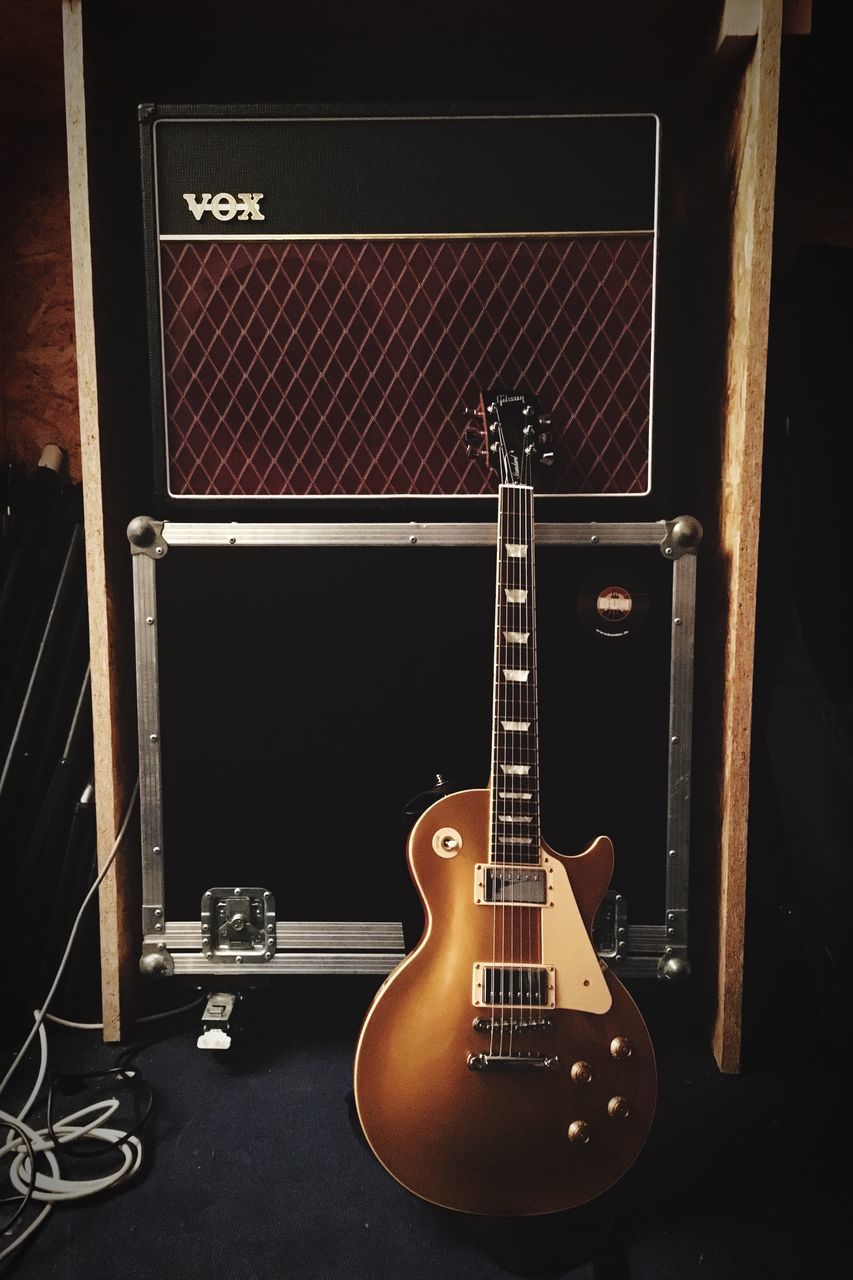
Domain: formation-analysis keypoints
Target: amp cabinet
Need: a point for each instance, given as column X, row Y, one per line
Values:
column 328, row 288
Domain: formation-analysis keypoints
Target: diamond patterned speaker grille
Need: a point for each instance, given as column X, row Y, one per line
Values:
column 341, row 367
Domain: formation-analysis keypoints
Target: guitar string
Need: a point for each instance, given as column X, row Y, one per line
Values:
column 517, row 699
column 524, row 700
column 535, row 913
column 506, row 533
column 523, row 697
column 508, row 752
column 495, row 782
column 509, row 739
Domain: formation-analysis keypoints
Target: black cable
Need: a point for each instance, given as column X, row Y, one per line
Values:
column 25, row 1199
column 121, row 1075
column 128, row 1054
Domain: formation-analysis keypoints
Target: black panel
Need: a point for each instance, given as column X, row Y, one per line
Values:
column 338, row 176
column 308, row 694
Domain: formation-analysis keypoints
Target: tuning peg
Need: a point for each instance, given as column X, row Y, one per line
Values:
column 528, row 411
column 468, row 412
column 544, row 420
column 473, row 438
column 547, row 458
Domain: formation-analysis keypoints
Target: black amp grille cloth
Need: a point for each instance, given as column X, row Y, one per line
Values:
column 328, row 367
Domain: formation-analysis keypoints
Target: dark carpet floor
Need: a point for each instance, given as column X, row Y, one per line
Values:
column 254, row 1169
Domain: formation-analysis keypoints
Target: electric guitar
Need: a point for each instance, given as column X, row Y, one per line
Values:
column 502, row 1068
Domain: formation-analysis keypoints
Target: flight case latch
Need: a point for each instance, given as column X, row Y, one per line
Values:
column 238, row 924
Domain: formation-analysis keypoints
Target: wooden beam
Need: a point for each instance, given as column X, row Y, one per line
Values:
column 753, row 169
column 112, row 791
column 739, row 20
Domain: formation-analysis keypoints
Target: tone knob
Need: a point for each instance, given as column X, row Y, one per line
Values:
column 581, row 1072
column 618, row 1108
column 620, row 1047
column 579, row 1131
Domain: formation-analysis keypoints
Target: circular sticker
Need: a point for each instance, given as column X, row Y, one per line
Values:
column 615, row 605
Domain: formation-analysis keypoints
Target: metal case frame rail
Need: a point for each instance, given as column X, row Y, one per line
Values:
column 370, row 946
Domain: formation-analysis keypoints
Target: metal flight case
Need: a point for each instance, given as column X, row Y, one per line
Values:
column 296, row 683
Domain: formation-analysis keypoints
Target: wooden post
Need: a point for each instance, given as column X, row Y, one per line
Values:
column 754, row 156
column 113, row 785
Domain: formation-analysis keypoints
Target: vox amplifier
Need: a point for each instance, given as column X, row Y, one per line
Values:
column 329, row 287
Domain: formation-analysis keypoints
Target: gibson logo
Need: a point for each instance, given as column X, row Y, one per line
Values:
column 224, row 207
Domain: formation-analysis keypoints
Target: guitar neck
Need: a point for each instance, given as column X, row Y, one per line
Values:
column 515, row 723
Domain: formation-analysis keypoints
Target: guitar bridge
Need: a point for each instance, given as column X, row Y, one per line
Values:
column 488, row 1025
column 511, row 1062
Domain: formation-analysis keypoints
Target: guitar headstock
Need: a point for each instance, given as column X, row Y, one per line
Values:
column 512, row 433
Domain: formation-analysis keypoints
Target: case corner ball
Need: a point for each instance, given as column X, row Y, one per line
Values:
column 675, row 969
column 156, row 964
column 145, row 536
column 683, row 536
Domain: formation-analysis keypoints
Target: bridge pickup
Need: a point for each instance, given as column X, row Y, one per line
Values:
column 487, row 1025
column 518, row 986
column 517, row 884
column 511, row 1062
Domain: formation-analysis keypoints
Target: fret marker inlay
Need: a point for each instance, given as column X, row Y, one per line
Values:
column 516, row 595
column 521, row 770
column 516, row 637
column 518, row 676
column 517, row 550
column 515, row 726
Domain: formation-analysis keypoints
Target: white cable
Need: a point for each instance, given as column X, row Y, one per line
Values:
column 52, row 1188
column 75, row 1026
column 99, row 1026
column 52, row 992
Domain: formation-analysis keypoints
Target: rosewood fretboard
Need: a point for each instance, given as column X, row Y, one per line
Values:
column 515, row 725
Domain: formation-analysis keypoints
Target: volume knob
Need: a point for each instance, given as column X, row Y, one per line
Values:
column 579, row 1131
column 618, row 1108
column 581, row 1072
column 620, row 1047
